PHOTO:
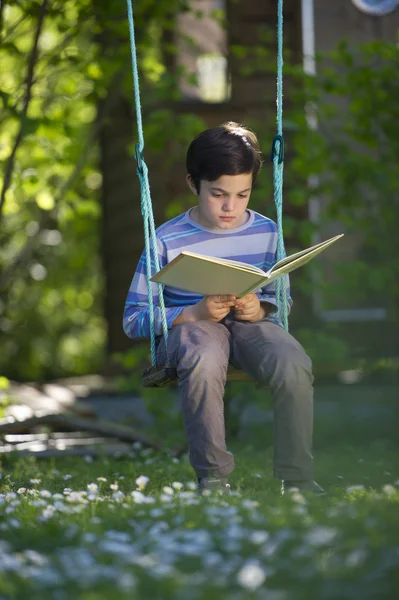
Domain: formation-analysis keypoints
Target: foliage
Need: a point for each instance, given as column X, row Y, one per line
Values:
column 353, row 154
column 63, row 64
column 50, row 269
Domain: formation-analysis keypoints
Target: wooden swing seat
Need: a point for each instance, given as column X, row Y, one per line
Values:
column 164, row 375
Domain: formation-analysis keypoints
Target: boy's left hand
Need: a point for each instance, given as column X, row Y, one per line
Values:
column 248, row 308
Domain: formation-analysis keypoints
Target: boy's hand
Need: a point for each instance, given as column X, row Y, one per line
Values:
column 249, row 309
column 214, row 308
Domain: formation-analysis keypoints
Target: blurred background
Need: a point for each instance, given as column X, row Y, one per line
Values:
column 70, row 217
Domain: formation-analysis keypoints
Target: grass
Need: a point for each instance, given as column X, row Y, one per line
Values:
column 72, row 528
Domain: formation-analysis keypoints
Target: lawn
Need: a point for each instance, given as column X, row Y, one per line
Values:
column 134, row 527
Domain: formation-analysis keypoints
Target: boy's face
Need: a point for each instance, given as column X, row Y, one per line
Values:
column 223, row 203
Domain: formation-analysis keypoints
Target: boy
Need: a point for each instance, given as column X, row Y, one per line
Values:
column 206, row 333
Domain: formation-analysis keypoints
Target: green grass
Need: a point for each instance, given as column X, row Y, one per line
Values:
column 61, row 540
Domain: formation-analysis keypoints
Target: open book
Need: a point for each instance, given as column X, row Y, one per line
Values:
column 209, row 276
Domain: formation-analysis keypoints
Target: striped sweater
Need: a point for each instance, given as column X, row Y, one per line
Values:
column 254, row 243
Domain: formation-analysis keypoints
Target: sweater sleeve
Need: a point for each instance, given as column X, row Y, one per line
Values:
column 136, row 316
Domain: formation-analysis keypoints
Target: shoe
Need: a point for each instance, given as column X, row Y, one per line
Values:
column 302, row 486
column 209, row 485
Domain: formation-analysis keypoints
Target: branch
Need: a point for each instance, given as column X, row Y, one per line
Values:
column 12, row 27
column 30, row 245
column 28, row 96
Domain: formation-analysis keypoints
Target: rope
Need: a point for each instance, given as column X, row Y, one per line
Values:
column 278, row 169
column 146, row 204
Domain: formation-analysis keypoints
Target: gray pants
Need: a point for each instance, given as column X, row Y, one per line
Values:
column 201, row 353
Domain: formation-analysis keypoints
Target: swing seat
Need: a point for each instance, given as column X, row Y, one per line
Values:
column 164, row 375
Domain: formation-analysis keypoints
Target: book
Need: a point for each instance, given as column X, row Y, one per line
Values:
column 210, row 276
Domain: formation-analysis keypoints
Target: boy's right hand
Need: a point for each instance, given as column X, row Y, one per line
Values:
column 214, row 308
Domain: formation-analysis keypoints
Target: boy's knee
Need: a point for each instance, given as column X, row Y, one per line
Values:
column 204, row 349
column 289, row 362
column 208, row 365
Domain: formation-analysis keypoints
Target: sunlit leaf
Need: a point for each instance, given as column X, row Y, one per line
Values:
column 45, row 200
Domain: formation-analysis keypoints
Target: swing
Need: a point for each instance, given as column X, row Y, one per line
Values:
column 161, row 375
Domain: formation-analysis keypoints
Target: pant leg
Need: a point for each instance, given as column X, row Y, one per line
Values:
column 200, row 352
column 275, row 358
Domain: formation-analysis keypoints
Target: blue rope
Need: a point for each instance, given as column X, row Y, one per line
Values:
column 146, row 204
column 278, row 170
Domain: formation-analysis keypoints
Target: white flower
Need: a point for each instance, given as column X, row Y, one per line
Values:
column 67, row 476
column 167, row 490
column 45, row 494
column 192, row 485
column 48, row 512
column 35, row 481
column 118, row 496
column 142, row 482
column 259, row 537
column 251, row 575
column 93, row 488
column 165, row 498
column 101, row 479
column 177, row 485
column 38, row 503
column 138, row 497
column 250, row 504
column 356, row 558
column 321, row 535
column 21, row 490
column 58, row 497
column 35, row 557
column 355, row 488
column 297, row 497
column 115, row 547
column 388, row 489
column 118, row 536
column 14, row 523
column 114, row 486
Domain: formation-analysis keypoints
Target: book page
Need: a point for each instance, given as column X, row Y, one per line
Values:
column 227, row 261
column 299, row 259
column 208, row 277
column 313, row 251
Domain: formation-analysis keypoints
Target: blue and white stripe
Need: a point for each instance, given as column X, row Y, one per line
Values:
column 254, row 243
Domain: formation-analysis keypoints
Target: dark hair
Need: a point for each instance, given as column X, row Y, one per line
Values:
column 230, row 149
